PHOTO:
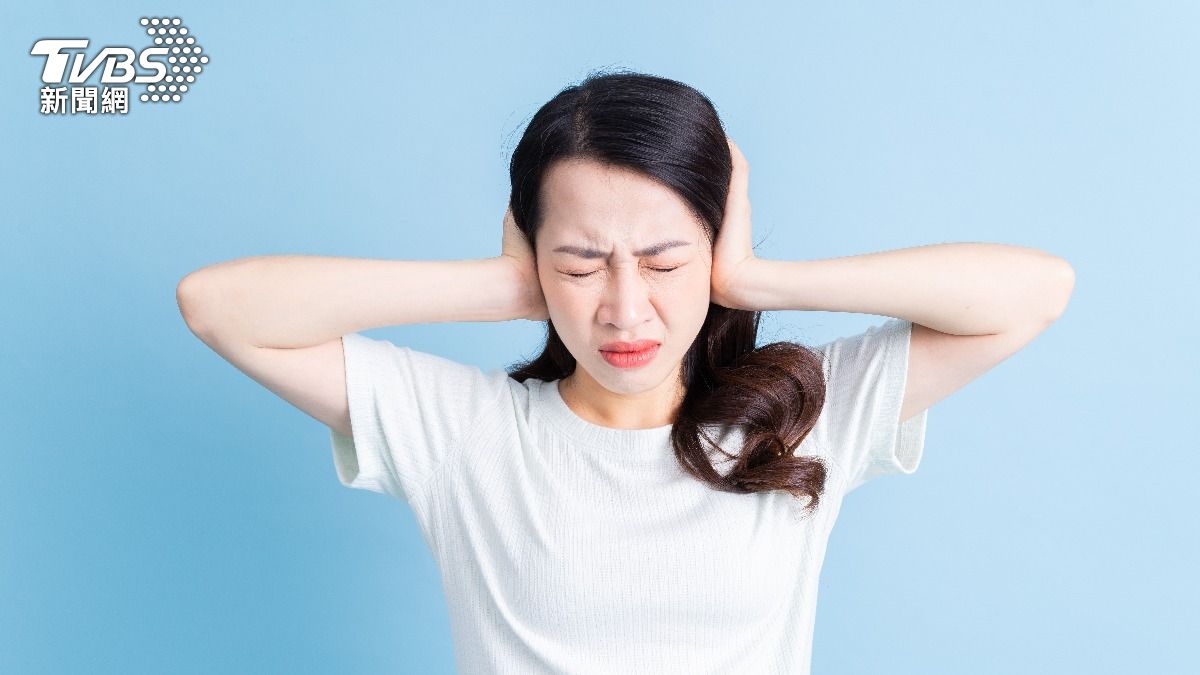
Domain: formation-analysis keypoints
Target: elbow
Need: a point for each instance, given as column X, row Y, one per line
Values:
column 189, row 298
column 1059, row 288
column 183, row 295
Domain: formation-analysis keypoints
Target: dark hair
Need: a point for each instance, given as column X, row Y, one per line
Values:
column 670, row 132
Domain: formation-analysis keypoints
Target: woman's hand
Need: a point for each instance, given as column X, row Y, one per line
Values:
column 733, row 253
column 515, row 247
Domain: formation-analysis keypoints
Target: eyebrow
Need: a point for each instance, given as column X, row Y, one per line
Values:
column 589, row 253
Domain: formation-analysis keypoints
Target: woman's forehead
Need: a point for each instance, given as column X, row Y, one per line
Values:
column 594, row 200
column 588, row 204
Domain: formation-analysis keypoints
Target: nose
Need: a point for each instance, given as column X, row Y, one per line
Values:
column 626, row 300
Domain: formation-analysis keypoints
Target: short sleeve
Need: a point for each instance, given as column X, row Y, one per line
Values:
column 866, row 375
column 409, row 412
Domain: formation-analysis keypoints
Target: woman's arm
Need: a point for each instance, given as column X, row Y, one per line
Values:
column 971, row 305
column 292, row 301
column 958, row 288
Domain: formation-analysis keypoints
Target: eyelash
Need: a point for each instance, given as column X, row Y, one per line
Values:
column 588, row 274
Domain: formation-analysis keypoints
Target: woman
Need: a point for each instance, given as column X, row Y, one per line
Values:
column 653, row 492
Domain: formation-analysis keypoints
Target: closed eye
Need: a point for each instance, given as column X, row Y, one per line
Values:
column 588, row 274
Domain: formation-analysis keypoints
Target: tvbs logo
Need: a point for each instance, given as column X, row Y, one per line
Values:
column 168, row 69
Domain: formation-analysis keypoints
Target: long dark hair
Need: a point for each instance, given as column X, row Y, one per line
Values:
column 670, row 132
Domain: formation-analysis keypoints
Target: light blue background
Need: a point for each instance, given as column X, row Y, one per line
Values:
column 161, row 512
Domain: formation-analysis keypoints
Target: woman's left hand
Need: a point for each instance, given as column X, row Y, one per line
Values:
column 733, row 252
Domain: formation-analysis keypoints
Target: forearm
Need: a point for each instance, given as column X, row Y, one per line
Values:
column 298, row 301
column 959, row 288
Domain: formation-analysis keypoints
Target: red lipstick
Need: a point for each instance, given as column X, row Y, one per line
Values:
column 629, row 354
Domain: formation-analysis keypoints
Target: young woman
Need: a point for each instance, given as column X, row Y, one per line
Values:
column 654, row 491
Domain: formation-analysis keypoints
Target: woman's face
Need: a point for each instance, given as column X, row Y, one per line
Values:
column 621, row 258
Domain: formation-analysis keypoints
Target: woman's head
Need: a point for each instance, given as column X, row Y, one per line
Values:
column 621, row 258
column 605, row 171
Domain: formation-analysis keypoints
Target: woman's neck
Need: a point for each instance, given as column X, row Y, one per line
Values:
column 591, row 401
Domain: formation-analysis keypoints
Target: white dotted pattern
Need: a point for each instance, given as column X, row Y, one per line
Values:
column 171, row 31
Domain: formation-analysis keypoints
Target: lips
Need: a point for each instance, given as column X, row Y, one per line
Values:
column 622, row 347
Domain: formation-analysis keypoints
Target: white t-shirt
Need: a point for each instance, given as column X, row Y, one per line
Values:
column 568, row 547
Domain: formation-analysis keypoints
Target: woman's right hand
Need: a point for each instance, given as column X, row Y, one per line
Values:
column 515, row 247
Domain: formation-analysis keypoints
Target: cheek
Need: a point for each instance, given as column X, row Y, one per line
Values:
column 685, row 301
column 697, row 285
column 568, row 304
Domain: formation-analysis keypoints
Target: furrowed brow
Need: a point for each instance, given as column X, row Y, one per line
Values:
column 590, row 253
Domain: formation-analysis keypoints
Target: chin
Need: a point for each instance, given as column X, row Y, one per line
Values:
column 632, row 381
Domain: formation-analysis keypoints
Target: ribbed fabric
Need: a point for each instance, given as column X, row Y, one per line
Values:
column 569, row 547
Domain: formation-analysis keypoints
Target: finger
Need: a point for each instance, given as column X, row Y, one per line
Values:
column 738, row 200
column 735, row 153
